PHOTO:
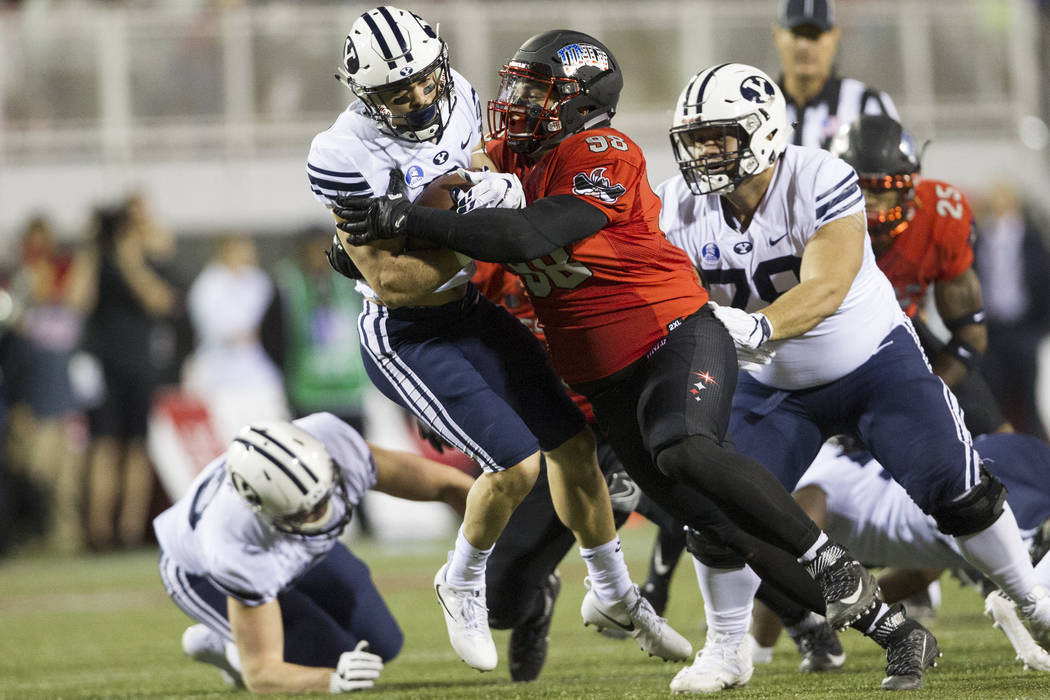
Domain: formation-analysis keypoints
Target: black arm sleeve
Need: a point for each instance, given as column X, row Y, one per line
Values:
column 509, row 235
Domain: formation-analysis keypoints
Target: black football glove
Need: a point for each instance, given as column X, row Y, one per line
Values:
column 432, row 436
column 340, row 260
column 366, row 219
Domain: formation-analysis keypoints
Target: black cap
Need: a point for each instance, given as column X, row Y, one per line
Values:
column 819, row 13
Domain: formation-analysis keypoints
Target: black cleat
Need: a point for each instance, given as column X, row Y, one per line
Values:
column 910, row 649
column 818, row 644
column 849, row 589
column 527, row 651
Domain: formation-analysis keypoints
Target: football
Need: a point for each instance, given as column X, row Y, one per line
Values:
column 438, row 195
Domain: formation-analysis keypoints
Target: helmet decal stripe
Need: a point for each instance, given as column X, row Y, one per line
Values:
column 276, row 462
column 707, row 79
column 287, row 451
column 377, row 33
column 401, row 41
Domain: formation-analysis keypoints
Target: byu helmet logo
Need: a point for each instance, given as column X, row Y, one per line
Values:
column 245, row 489
column 350, row 57
column 755, row 88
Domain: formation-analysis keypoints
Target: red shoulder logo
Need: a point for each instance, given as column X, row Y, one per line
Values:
column 595, row 184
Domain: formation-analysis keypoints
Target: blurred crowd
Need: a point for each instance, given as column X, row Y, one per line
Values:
column 97, row 326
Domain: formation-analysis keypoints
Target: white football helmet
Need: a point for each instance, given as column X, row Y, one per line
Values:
column 730, row 100
column 389, row 52
column 286, row 475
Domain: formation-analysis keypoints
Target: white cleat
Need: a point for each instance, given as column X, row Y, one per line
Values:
column 633, row 615
column 1036, row 609
column 467, row 620
column 1004, row 615
column 724, row 662
column 201, row 643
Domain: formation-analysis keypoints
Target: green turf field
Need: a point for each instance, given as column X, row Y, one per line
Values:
column 102, row 627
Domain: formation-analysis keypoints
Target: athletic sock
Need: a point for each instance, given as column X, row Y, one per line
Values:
column 811, row 553
column 607, row 570
column 467, row 567
column 999, row 553
column 729, row 596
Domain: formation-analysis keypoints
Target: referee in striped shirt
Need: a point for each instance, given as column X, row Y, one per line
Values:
column 818, row 100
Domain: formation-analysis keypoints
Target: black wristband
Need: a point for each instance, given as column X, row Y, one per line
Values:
column 964, row 352
column 968, row 319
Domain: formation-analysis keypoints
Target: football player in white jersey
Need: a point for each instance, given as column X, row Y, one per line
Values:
column 252, row 553
column 849, row 494
column 777, row 233
column 433, row 344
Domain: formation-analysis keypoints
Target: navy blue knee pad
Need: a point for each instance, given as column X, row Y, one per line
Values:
column 977, row 510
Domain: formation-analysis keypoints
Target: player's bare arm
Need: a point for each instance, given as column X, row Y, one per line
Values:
column 403, row 277
column 259, row 634
column 419, row 479
column 830, row 261
column 958, row 302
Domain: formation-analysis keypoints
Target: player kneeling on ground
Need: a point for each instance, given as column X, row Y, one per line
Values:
column 251, row 552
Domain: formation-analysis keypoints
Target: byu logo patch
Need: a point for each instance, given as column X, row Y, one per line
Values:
column 755, row 88
column 742, row 247
column 441, row 157
column 710, row 252
column 413, row 175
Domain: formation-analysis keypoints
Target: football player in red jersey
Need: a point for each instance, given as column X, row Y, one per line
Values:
column 625, row 315
column 922, row 233
column 550, row 542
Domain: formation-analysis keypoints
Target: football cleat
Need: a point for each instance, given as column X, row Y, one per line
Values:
column 467, row 620
column 1036, row 610
column 724, row 662
column 818, row 644
column 527, row 651
column 910, row 649
column 1004, row 617
column 201, row 643
column 634, row 616
column 849, row 589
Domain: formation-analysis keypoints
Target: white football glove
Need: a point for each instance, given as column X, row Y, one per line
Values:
column 490, row 190
column 357, row 670
column 749, row 333
column 753, row 360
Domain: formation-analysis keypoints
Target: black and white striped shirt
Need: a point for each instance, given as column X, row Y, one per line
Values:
column 839, row 102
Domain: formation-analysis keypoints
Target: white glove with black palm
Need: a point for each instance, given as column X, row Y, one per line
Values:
column 490, row 190
column 749, row 333
column 357, row 670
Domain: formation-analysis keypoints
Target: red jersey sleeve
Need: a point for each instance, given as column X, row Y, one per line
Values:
column 599, row 166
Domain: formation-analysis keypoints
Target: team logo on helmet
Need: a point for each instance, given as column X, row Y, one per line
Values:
column 595, row 184
column 245, row 489
column 755, row 88
column 350, row 56
column 573, row 57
